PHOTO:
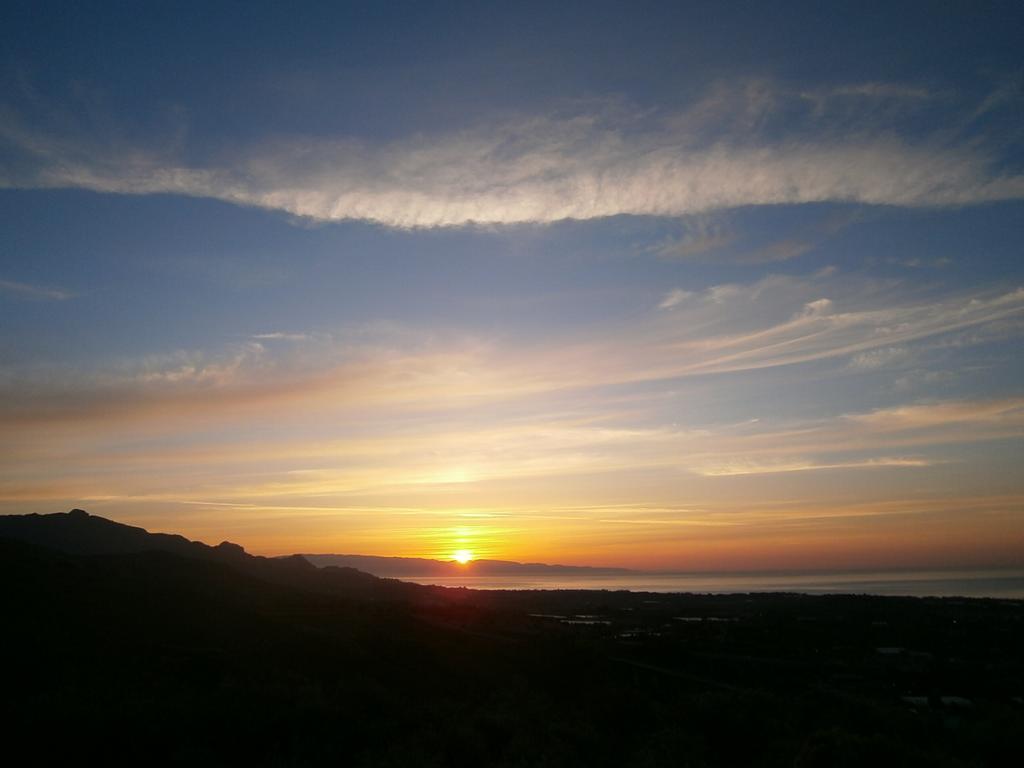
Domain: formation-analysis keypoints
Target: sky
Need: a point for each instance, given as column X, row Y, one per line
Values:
column 708, row 286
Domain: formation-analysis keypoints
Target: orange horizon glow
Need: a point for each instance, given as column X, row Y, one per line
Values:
column 515, row 459
column 931, row 533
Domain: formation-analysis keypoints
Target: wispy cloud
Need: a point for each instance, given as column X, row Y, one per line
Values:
column 771, row 323
column 764, row 447
column 734, row 468
column 736, row 147
column 874, row 359
column 798, row 243
column 711, row 237
column 34, row 292
column 702, row 235
column 280, row 336
column 998, row 414
column 674, row 298
column 438, row 454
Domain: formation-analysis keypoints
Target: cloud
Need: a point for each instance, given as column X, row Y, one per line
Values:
column 706, row 237
column 734, row 468
column 872, row 91
column 917, row 262
column 857, row 440
column 700, row 341
column 443, row 452
column 702, row 234
column 34, row 292
column 878, row 358
column 770, row 323
column 720, row 294
column 280, row 336
column 739, row 147
column 674, row 297
column 382, row 409
column 818, row 307
column 973, row 415
column 803, row 240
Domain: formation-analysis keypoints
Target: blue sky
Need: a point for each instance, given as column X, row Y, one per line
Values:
column 689, row 285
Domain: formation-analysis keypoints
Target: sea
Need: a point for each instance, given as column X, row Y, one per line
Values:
column 997, row 584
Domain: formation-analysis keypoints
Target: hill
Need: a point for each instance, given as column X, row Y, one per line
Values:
column 122, row 646
column 79, row 533
column 418, row 566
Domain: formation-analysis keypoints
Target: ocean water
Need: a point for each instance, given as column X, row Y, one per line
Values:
column 1002, row 584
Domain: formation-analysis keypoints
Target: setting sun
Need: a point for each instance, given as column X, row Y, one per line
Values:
column 462, row 556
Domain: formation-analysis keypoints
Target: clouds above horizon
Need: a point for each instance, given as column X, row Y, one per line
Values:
column 368, row 413
column 409, row 478
column 752, row 143
column 733, row 328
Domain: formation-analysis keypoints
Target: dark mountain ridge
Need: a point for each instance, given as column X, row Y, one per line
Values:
column 419, row 566
column 79, row 533
column 129, row 647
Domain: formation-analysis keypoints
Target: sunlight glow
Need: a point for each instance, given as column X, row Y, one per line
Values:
column 462, row 556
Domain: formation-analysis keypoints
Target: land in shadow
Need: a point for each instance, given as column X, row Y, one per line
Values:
column 124, row 646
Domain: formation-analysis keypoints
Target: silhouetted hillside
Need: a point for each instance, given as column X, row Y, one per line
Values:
column 80, row 533
column 77, row 532
column 169, row 652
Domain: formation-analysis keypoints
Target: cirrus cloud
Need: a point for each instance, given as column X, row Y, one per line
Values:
column 718, row 154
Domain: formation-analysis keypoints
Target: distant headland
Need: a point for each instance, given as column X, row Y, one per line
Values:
column 397, row 567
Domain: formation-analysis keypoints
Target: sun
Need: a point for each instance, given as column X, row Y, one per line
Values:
column 462, row 556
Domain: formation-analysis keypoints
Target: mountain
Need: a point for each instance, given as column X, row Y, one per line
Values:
column 79, row 533
column 155, row 658
column 129, row 647
column 418, row 566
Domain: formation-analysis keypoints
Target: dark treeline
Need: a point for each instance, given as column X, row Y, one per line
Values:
column 124, row 647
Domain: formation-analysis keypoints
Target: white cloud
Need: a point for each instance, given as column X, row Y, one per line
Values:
column 543, row 169
column 878, row 358
column 818, row 307
column 719, row 294
column 674, row 297
column 280, row 336
column 774, row 322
